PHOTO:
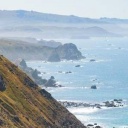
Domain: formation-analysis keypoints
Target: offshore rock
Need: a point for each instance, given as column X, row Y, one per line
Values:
column 69, row 51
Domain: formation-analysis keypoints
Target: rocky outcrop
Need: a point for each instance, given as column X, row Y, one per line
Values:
column 23, row 64
column 50, row 82
column 69, row 52
column 34, row 74
column 2, row 84
column 113, row 103
column 92, row 60
column 93, row 126
column 77, row 66
column 65, row 52
column 93, row 87
column 45, row 94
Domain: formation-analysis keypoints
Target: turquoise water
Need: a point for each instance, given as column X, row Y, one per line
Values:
column 109, row 72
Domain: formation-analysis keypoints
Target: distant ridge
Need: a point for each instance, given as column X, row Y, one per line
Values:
column 21, row 23
column 46, row 17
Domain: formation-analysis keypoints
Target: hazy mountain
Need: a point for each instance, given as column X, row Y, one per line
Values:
column 22, row 15
column 22, row 23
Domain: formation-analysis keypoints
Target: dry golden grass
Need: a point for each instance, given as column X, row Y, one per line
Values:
column 23, row 106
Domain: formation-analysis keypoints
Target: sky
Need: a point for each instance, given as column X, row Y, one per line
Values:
column 82, row 8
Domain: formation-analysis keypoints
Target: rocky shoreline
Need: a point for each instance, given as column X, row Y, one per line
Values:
column 115, row 103
column 107, row 104
column 34, row 75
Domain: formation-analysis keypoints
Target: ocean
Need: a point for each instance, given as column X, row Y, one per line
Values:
column 109, row 72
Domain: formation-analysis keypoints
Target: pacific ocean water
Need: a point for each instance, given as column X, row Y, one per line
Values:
column 109, row 72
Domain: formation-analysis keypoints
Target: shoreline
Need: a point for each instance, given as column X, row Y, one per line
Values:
column 107, row 104
column 81, row 110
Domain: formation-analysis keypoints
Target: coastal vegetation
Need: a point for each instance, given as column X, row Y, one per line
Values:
column 24, row 104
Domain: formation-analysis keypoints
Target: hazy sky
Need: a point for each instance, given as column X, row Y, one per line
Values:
column 85, row 8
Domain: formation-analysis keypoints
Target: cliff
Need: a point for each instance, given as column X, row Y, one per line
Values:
column 15, row 49
column 69, row 52
column 25, row 105
column 34, row 75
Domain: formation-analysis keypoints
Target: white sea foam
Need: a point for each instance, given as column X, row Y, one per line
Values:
column 53, row 89
column 125, row 126
column 101, row 60
column 82, row 111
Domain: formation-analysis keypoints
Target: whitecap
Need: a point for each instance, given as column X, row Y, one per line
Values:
column 82, row 111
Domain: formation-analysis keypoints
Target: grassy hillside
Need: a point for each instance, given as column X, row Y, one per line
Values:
column 24, row 105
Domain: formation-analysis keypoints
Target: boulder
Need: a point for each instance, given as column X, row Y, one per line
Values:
column 23, row 64
column 45, row 94
column 51, row 82
column 92, row 60
column 90, row 125
column 77, row 66
column 93, row 87
column 97, row 127
column 109, row 104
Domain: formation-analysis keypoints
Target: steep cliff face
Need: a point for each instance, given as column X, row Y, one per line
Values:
column 32, row 51
column 67, row 51
column 24, row 105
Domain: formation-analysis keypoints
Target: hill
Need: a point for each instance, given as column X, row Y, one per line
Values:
column 15, row 49
column 23, row 23
column 25, row 105
column 46, row 17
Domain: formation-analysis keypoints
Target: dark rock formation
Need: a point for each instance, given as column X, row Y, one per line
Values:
column 98, row 127
column 2, row 84
column 16, row 118
column 68, row 72
column 27, row 81
column 77, row 66
column 65, row 52
column 23, row 64
column 110, row 104
column 51, row 82
column 93, row 126
column 113, row 103
column 92, row 60
column 90, row 125
column 34, row 74
column 69, row 52
column 93, row 87
column 45, row 94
